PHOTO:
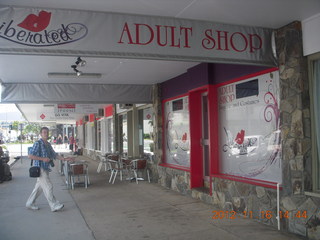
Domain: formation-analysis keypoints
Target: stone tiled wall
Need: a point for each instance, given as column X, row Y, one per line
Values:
column 174, row 179
column 254, row 201
column 296, row 134
column 157, row 134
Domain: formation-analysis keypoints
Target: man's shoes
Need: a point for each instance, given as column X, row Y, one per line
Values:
column 57, row 208
column 32, row 207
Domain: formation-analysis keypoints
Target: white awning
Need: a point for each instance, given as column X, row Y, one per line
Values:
column 75, row 93
column 99, row 34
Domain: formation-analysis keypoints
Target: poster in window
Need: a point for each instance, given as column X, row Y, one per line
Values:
column 177, row 134
column 249, row 133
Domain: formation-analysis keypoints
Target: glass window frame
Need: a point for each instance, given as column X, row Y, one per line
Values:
column 109, row 133
column 315, row 150
column 99, row 135
column 120, row 132
column 142, row 108
column 165, row 136
column 217, row 160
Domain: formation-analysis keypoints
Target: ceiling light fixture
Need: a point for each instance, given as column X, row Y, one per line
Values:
column 72, row 75
column 80, row 62
column 76, row 73
column 79, row 73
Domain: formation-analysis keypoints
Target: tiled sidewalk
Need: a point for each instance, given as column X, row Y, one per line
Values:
column 124, row 210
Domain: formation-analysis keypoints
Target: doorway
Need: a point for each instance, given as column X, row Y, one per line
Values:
column 205, row 143
column 200, row 139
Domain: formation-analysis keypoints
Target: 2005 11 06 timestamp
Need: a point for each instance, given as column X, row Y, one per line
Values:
column 260, row 215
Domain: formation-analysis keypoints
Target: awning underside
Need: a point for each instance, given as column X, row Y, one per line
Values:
column 75, row 93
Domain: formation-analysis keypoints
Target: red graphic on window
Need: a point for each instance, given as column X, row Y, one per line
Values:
column 184, row 137
column 42, row 116
column 240, row 137
column 36, row 23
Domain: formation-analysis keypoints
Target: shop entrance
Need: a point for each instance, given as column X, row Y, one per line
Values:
column 200, row 144
column 205, row 140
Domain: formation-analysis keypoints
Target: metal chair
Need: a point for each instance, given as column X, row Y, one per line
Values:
column 115, row 165
column 79, row 170
column 103, row 161
column 140, row 165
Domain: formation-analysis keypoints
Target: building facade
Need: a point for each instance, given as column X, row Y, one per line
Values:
column 240, row 137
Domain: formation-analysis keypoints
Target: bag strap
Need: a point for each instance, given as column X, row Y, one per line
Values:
column 39, row 154
column 48, row 150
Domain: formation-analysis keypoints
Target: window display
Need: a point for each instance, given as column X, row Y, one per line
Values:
column 249, row 128
column 177, row 133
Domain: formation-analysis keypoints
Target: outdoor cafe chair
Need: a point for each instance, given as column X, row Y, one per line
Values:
column 139, row 165
column 103, row 161
column 115, row 165
column 79, row 169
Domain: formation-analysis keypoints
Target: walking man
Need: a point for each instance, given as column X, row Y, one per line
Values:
column 42, row 152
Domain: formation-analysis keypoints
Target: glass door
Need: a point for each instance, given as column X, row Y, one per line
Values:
column 205, row 139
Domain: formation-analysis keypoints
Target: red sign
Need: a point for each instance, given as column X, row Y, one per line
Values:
column 66, row 106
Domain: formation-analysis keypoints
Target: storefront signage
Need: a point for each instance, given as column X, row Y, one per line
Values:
column 249, row 131
column 32, row 31
column 65, row 32
column 65, row 108
column 86, row 108
column 51, row 116
column 76, row 108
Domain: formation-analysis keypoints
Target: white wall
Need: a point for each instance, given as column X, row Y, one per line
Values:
column 311, row 35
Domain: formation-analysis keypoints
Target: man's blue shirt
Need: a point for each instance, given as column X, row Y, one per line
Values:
column 41, row 149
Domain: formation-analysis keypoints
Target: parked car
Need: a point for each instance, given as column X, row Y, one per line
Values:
column 5, row 154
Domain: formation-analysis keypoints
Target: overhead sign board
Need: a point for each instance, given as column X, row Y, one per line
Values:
column 86, row 108
column 65, row 108
column 99, row 34
column 76, row 108
column 51, row 116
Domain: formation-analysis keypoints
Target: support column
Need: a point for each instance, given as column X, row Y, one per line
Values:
column 295, row 127
column 130, row 139
column 135, row 132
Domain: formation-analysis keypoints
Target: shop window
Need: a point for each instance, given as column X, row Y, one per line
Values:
column 315, row 100
column 146, row 143
column 107, row 135
column 247, row 89
column 93, row 135
column 90, row 132
column 123, row 130
column 80, row 136
column 177, row 132
column 110, row 147
column 99, row 135
column 248, row 125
